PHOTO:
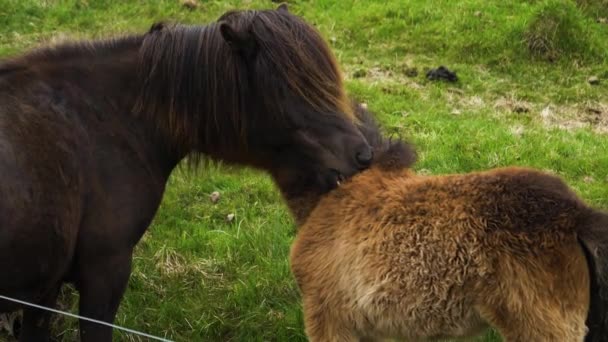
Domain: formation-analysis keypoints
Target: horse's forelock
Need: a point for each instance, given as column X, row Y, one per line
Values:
column 298, row 55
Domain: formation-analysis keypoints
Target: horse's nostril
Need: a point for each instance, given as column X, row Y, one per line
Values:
column 364, row 158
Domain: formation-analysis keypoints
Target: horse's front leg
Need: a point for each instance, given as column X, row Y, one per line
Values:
column 102, row 282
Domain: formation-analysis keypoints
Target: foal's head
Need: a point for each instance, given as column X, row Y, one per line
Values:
column 260, row 88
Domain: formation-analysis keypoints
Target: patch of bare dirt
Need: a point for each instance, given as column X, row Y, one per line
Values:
column 568, row 117
column 594, row 115
column 513, row 105
column 171, row 263
column 381, row 75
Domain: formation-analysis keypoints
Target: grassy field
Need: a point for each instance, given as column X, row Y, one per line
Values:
column 523, row 99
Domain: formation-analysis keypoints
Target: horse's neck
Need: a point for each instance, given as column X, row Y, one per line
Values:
column 106, row 85
column 114, row 80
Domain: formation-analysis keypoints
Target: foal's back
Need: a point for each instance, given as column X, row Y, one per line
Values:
column 391, row 254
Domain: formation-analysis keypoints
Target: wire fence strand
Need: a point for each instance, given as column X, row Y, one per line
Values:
column 69, row 314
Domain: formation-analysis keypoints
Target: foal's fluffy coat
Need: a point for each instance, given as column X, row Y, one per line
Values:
column 391, row 254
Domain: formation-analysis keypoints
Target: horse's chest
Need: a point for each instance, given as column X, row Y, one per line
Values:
column 120, row 206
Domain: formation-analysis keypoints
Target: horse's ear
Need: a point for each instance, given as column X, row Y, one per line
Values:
column 240, row 41
column 157, row 26
column 283, row 8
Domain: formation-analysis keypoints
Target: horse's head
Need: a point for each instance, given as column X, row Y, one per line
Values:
column 300, row 117
column 259, row 88
column 303, row 190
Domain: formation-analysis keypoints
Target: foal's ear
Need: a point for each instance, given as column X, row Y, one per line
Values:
column 238, row 40
column 283, row 8
column 397, row 156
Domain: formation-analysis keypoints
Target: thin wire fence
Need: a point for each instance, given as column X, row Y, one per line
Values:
column 69, row 314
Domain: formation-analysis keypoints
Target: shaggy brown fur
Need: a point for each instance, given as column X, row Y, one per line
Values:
column 391, row 254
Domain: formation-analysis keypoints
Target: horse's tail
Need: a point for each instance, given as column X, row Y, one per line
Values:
column 593, row 237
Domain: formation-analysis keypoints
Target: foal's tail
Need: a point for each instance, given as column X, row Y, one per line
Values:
column 593, row 237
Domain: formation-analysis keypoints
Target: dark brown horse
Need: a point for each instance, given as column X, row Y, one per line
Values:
column 89, row 133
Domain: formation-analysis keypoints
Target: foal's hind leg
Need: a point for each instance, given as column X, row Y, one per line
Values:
column 35, row 324
column 102, row 284
column 537, row 326
column 543, row 298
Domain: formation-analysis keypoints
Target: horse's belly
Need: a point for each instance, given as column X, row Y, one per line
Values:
column 38, row 231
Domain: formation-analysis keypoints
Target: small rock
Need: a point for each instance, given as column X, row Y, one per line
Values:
column 363, row 105
column 230, row 217
column 593, row 80
column 477, row 13
column 189, row 4
column 214, row 197
column 588, row 179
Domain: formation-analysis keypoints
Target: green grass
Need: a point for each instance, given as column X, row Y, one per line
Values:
column 522, row 99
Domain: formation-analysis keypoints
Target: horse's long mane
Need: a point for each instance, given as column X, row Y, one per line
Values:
column 195, row 84
column 201, row 92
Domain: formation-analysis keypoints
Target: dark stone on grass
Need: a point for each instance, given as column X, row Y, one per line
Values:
column 442, row 74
